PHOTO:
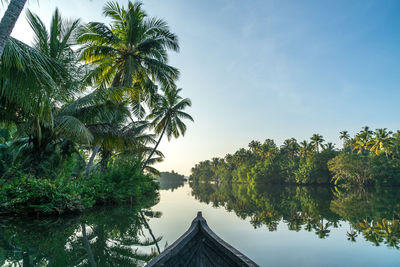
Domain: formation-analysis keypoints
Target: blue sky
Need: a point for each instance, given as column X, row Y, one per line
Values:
column 271, row 69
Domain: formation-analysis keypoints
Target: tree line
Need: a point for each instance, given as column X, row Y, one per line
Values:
column 84, row 101
column 367, row 158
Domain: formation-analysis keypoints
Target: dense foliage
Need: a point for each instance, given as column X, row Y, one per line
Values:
column 83, row 110
column 367, row 158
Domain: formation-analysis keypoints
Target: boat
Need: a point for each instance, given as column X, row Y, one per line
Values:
column 199, row 246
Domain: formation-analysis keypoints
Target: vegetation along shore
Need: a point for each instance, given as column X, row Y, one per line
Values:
column 83, row 110
column 366, row 159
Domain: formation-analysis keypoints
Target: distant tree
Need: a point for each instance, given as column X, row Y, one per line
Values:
column 344, row 135
column 381, row 141
column 316, row 141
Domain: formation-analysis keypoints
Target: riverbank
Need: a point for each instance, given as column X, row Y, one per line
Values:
column 122, row 182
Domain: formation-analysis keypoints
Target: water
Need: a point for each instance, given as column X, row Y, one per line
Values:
column 274, row 226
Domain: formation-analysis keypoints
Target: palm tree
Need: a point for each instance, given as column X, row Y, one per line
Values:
column 381, row 141
column 316, row 141
column 344, row 135
column 329, row 147
column 35, row 86
column 167, row 116
column 130, row 53
column 255, row 146
column 363, row 141
column 52, row 123
column 305, row 148
column 8, row 21
column 291, row 147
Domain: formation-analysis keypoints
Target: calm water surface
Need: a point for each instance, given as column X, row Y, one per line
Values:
column 274, row 226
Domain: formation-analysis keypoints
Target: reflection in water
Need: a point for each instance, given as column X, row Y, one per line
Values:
column 106, row 237
column 170, row 180
column 372, row 214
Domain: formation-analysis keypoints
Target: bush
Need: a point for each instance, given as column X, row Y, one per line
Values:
column 350, row 169
column 28, row 194
column 121, row 181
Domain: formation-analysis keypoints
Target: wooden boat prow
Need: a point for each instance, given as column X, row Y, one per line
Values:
column 200, row 246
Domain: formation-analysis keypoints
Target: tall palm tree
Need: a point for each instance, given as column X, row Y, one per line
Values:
column 316, row 141
column 344, row 135
column 130, row 53
column 8, row 21
column 381, row 141
column 52, row 123
column 167, row 116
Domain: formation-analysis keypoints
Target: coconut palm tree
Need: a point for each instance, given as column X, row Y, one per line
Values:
column 255, row 147
column 305, row 148
column 167, row 116
column 130, row 53
column 51, row 124
column 291, row 147
column 344, row 135
column 8, row 21
column 316, row 141
column 381, row 141
column 363, row 141
column 329, row 147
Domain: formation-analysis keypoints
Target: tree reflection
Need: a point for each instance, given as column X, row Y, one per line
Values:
column 117, row 236
column 372, row 213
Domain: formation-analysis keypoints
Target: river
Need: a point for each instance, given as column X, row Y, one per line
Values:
column 274, row 226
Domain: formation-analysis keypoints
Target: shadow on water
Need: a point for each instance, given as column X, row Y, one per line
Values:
column 107, row 236
column 371, row 214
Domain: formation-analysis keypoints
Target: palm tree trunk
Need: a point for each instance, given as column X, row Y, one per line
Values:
column 87, row 246
column 151, row 232
column 154, row 149
column 90, row 163
column 8, row 21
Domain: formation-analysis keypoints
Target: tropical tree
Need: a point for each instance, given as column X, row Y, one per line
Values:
column 51, row 124
column 290, row 147
column 130, row 53
column 381, row 141
column 305, row 148
column 329, row 147
column 316, row 142
column 255, row 147
column 8, row 21
column 344, row 135
column 362, row 141
column 167, row 116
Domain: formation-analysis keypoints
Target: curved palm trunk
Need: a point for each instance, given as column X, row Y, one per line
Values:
column 151, row 232
column 87, row 246
column 8, row 21
column 90, row 163
column 155, row 148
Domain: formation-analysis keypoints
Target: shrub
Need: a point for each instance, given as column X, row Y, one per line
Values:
column 29, row 194
column 122, row 181
column 349, row 169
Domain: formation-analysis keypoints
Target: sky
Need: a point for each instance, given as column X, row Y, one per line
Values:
column 269, row 69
